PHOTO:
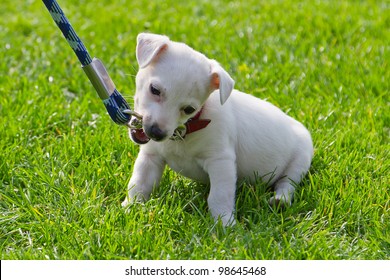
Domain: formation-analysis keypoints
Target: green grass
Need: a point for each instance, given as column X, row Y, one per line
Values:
column 64, row 165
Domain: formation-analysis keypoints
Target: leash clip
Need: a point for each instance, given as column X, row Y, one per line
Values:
column 136, row 119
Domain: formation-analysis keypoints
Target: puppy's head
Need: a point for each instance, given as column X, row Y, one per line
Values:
column 172, row 84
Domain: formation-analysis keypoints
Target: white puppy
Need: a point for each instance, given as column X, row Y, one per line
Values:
column 230, row 135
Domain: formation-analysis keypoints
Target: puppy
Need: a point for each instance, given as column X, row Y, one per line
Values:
column 205, row 130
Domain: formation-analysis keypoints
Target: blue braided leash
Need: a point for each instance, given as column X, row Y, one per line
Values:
column 116, row 105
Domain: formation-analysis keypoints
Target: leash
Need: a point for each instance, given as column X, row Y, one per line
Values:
column 116, row 105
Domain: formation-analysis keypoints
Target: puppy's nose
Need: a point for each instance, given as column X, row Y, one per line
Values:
column 155, row 132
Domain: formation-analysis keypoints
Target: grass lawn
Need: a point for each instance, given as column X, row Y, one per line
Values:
column 64, row 166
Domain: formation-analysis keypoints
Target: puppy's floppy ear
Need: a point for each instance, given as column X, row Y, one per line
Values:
column 149, row 47
column 221, row 80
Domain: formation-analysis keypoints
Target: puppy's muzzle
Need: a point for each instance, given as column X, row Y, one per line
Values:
column 155, row 132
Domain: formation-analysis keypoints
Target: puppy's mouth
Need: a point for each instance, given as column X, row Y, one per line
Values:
column 136, row 130
column 138, row 136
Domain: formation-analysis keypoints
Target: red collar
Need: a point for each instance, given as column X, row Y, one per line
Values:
column 196, row 123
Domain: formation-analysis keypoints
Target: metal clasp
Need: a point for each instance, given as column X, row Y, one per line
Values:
column 136, row 120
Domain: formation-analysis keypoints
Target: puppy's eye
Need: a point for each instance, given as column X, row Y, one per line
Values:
column 154, row 90
column 188, row 110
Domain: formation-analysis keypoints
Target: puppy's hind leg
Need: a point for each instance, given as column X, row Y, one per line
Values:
column 284, row 193
column 284, row 187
